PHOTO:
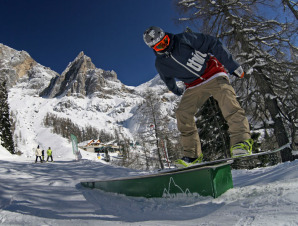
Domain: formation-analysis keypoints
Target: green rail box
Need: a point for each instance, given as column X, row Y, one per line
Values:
column 204, row 180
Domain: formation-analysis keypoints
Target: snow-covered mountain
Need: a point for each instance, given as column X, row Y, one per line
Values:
column 81, row 77
column 18, row 66
column 86, row 95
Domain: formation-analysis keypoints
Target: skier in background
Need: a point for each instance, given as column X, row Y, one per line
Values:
column 200, row 61
column 42, row 155
column 38, row 153
column 50, row 154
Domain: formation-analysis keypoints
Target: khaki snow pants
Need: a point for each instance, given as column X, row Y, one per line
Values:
column 193, row 98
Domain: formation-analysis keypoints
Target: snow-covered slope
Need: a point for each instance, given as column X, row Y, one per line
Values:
column 50, row 194
column 29, row 112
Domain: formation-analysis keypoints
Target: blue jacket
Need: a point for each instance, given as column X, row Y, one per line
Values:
column 185, row 58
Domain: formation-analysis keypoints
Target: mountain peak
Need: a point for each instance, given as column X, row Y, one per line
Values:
column 81, row 54
column 81, row 77
column 14, row 64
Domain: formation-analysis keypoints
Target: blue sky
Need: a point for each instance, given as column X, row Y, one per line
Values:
column 54, row 32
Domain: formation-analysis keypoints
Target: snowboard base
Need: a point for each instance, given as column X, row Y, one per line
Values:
column 235, row 158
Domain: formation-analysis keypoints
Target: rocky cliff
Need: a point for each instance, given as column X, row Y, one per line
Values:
column 19, row 66
column 80, row 78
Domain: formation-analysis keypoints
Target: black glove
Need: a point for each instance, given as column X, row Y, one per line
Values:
column 239, row 72
column 179, row 91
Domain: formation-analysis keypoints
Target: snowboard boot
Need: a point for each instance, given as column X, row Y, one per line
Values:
column 187, row 161
column 243, row 148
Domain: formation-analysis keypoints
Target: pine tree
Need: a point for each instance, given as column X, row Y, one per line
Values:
column 5, row 124
column 213, row 131
column 155, row 127
column 151, row 118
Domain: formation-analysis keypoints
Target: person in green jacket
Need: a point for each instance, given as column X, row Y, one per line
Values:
column 49, row 153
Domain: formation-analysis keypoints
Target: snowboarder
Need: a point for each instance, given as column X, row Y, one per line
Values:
column 200, row 61
column 50, row 154
column 38, row 153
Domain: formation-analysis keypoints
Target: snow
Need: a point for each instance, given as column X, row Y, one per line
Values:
column 51, row 194
column 4, row 153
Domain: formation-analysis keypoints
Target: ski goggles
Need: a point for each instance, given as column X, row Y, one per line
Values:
column 164, row 43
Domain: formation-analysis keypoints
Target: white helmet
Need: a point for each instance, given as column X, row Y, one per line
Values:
column 153, row 35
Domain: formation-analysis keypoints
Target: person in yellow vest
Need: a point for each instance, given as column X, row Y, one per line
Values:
column 49, row 153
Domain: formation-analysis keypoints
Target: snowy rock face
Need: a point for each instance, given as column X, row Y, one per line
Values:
column 84, row 94
column 14, row 64
column 81, row 77
column 19, row 66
